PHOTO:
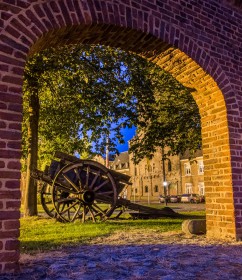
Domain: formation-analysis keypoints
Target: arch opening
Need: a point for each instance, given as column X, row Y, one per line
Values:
column 147, row 31
column 208, row 96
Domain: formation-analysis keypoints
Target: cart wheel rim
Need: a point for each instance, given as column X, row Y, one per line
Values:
column 85, row 190
column 46, row 200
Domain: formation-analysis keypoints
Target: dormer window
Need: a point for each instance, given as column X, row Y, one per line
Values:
column 187, row 169
column 200, row 167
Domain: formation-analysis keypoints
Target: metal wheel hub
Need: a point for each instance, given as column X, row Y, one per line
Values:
column 88, row 197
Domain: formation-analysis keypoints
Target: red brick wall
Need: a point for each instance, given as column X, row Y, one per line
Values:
column 199, row 42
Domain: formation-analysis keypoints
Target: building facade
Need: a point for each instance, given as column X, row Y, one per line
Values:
column 151, row 178
column 121, row 163
column 192, row 174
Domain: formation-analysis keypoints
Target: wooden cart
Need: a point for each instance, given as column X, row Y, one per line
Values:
column 86, row 190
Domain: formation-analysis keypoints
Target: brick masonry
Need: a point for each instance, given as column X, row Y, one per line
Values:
column 198, row 42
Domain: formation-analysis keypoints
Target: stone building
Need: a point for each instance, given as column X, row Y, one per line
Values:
column 121, row 164
column 148, row 176
column 192, row 173
column 149, row 179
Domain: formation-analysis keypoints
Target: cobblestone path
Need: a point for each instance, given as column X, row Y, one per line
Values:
column 167, row 256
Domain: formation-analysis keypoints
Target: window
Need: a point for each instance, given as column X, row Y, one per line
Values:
column 187, row 169
column 200, row 167
column 146, row 189
column 136, row 190
column 169, row 166
column 135, row 171
column 124, row 195
column 201, row 188
column 156, row 188
column 188, row 187
column 153, row 167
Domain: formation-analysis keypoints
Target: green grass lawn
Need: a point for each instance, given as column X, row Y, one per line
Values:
column 42, row 234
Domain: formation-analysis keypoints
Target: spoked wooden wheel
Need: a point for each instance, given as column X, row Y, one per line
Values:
column 85, row 191
column 46, row 200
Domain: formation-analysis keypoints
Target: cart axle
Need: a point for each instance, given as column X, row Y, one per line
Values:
column 88, row 197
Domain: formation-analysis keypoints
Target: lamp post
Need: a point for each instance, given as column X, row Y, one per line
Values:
column 165, row 184
column 164, row 173
column 165, row 191
column 107, row 152
column 148, row 196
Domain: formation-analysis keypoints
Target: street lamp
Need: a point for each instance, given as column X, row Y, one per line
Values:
column 165, row 191
column 164, row 172
column 165, row 184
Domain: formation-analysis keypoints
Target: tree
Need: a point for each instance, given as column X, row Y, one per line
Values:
column 78, row 93
column 173, row 121
column 75, row 96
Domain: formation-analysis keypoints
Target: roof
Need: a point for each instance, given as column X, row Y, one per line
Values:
column 187, row 154
column 121, row 158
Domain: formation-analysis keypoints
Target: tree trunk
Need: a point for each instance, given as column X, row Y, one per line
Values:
column 30, row 201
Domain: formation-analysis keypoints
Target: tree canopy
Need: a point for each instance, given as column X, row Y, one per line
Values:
column 87, row 93
column 79, row 98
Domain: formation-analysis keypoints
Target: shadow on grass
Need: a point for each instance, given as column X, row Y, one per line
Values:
column 165, row 212
column 40, row 234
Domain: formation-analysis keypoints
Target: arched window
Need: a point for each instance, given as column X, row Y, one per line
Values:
column 169, row 166
column 156, row 188
column 187, row 169
column 146, row 189
column 200, row 167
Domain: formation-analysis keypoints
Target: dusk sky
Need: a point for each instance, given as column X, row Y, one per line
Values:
column 128, row 134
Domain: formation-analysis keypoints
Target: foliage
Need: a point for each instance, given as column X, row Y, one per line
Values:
column 173, row 121
column 80, row 91
column 87, row 93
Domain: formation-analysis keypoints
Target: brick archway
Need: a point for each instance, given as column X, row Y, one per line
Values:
column 197, row 44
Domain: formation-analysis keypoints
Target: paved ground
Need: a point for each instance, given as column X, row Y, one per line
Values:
column 182, row 207
column 167, row 256
column 186, row 207
column 138, row 256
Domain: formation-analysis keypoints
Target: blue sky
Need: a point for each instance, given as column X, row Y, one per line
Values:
column 128, row 133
